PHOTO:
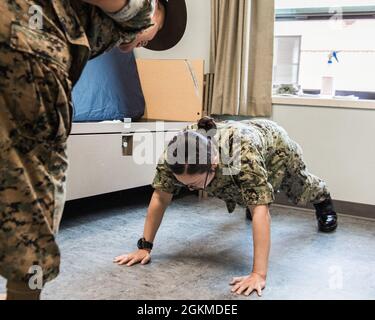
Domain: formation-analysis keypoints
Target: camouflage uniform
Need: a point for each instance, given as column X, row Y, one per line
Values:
column 269, row 161
column 37, row 71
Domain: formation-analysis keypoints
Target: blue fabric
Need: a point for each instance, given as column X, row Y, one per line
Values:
column 109, row 89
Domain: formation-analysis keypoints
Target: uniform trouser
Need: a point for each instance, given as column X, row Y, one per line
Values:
column 35, row 119
column 287, row 171
column 301, row 186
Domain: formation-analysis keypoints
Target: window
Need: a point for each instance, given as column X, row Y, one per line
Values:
column 307, row 31
column 287, row 60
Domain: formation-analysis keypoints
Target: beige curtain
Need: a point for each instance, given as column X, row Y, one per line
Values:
column 242, row 57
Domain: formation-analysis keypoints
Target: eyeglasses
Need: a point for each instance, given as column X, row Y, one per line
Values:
column 193, row 188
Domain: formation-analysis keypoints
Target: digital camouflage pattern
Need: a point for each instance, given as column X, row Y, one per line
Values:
column 261, row 159
column 37, row 71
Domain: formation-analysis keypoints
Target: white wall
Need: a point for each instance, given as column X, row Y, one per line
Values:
column 196, row 41
column 339, row 146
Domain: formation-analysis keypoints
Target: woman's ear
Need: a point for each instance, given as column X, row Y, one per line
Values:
column 213, row 168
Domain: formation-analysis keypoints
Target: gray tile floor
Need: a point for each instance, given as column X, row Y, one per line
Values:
column 200, row 247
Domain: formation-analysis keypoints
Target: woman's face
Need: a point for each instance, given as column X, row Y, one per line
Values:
column 197, row 181
column 147, row 35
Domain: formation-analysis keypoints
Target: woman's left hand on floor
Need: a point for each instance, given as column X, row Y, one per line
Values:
column 246, row 285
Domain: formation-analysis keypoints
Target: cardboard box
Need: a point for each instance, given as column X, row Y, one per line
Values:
column 173, row 89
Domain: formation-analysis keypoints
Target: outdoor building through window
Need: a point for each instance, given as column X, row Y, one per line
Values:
column 308, row 32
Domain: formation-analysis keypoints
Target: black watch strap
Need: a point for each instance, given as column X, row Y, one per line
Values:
column 143, row 244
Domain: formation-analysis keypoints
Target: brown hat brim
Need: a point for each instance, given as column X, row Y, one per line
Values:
column 174, row 26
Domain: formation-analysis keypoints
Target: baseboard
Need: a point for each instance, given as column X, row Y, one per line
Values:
column 343, row 207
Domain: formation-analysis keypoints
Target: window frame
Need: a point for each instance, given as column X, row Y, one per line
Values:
column 326, row 13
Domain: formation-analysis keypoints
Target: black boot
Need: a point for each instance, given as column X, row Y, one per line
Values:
column 248, row 215
column 326, row 216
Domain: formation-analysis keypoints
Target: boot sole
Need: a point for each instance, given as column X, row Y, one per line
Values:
column 328, row 230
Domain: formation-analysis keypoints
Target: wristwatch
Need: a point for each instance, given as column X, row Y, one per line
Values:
column 143, row 244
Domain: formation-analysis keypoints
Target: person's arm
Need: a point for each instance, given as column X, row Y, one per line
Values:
column 261, row 239
column 159, row 203
column 108, row 5
column 113, row 23
column 262, row 244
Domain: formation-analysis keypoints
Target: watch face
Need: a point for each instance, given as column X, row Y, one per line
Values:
column 140, row 244
column 143, row 244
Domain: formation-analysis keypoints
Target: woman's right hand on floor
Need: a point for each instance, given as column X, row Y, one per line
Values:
column 141, row 256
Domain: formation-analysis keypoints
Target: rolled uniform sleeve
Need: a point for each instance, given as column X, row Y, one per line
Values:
column 104, row 32
column 165, row 181
column 253, row 179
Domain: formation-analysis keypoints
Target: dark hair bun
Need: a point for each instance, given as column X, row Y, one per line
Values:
column 207, row 124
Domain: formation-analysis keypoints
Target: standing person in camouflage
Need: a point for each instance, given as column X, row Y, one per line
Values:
column 44, row 46
column 242, row 163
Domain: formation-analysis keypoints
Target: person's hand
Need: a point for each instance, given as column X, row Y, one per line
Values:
column 141, row 256
column 246, row 285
